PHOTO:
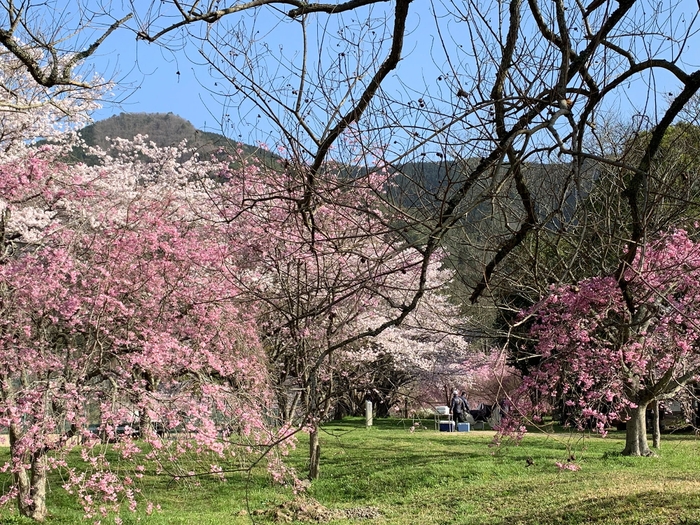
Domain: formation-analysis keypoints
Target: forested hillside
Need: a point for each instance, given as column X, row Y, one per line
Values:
column 164, row 129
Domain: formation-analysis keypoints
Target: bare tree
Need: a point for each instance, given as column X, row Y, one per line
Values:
column 517, row 83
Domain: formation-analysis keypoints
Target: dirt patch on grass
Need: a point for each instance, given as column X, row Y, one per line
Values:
column 310, row 510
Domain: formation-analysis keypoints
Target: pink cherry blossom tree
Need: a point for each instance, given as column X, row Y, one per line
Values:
column 491, row 378
column 134, row 320
column 605, row 356
column 164, row 278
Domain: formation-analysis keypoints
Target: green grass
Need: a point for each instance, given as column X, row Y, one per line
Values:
column 435, row 478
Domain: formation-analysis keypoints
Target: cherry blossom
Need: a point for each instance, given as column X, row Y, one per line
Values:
column 606, row 352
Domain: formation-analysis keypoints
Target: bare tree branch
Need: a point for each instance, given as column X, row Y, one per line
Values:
column 60, row 70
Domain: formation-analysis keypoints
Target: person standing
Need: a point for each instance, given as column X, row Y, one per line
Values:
column 463, row 395
column 457, row 408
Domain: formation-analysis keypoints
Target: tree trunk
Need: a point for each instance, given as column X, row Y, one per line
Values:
column 382, row 408
column 31, row 498
column 656, row 426
column 31, row 482
column 341, row 410
column 314, row 453
column 636, row 438
column 145, row 429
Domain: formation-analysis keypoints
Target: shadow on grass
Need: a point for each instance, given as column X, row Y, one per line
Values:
column 647, row 507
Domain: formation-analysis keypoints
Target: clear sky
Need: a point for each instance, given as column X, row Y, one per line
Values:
column 156, row 80
column 153, row 80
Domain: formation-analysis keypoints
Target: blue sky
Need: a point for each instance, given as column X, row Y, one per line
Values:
column 153, row 79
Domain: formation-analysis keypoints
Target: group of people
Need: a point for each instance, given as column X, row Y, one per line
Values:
column 459, row 407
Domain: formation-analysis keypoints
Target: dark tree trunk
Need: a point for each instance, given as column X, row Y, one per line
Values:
column 341, row 410
column 382, row 408
column 636, row 438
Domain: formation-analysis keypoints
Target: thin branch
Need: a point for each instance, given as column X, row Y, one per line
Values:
column 58, row 76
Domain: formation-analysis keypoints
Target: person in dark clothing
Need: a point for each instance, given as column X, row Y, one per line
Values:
column 458, row 408
column 463, row 395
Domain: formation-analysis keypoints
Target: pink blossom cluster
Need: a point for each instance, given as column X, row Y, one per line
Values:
column 120, row 306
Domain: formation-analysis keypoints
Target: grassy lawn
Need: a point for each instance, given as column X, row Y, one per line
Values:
column 393, row 476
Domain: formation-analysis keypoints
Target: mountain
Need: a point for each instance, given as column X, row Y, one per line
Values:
column 164, row 129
